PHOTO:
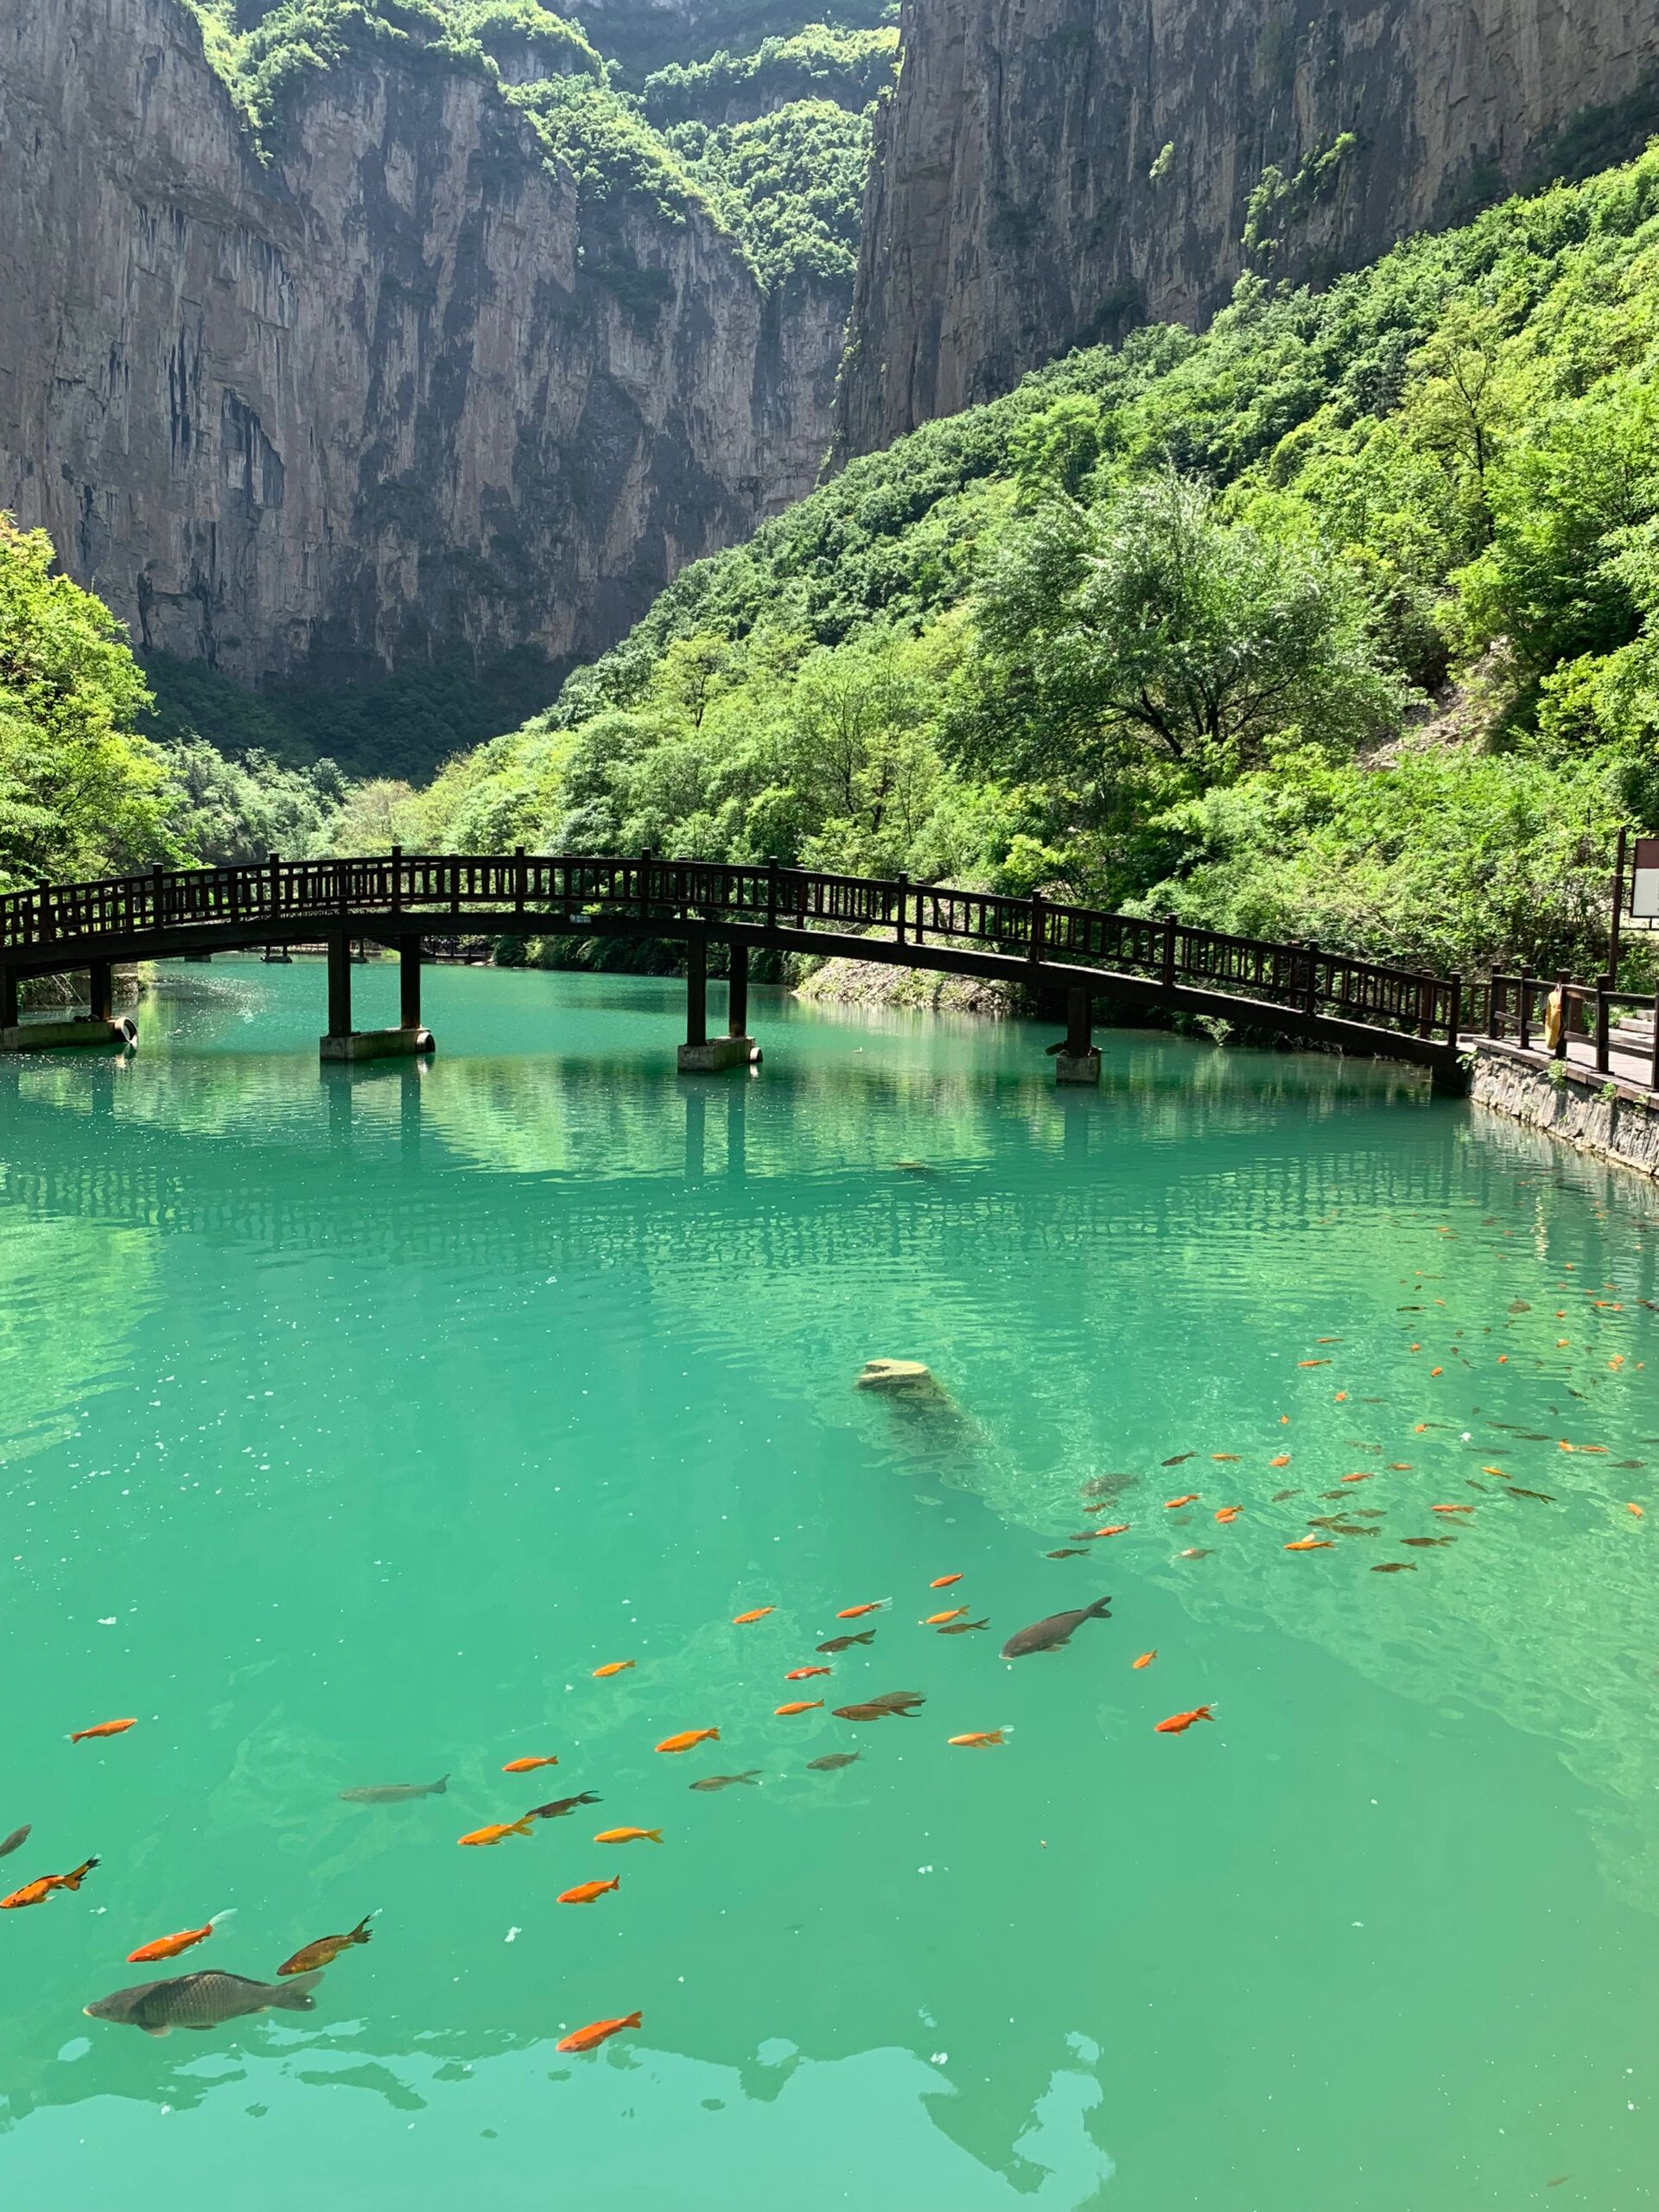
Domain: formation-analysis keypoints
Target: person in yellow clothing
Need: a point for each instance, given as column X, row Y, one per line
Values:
column 1553, row 1012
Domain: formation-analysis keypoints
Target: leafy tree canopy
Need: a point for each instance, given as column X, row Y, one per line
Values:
column 1342, row 614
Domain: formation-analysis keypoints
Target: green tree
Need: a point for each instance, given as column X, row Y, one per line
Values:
column 1149, row 629
column 80, row 791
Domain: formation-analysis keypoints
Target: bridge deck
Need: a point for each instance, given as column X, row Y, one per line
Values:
column 1297, row 990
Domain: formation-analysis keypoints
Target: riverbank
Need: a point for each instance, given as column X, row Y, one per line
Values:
column 1607, row 1119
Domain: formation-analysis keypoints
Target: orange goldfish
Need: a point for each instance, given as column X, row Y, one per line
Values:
column 805, row 1673
column 169, row 1947
column 857, row 1612
column 104, row 1728
column 1179, row 1723
column 1309, row 1544
column 1636, row 1509
column 585, row 1892
column 1187, row 1498
column 800, row 1704
column 1451, row 1509
column 629, row 1835
column 1283, row 1460
column 1146, row 1658
column 742, row 1620
column 689, row 1738
column 1232, row 1456
column 1117, row 1529
column 1227, row 1513
column 982, row 1740
column 943, row 1581
column 37, row 1891
column 1359, row 1476
column 589, row 2038
column 493, row 1835
column 527, row 1766
column 1312, row 1362
column 933, row 1620
column 616, row 1667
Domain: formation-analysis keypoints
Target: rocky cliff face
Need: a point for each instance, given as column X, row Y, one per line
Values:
column 402, row 394
column 1051, row 173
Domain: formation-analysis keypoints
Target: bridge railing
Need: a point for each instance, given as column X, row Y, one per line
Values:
column 560, row 890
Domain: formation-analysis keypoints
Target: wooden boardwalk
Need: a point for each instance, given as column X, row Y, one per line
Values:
column 1081, row 957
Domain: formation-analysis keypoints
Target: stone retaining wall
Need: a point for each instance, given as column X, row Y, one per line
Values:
column 1622, row 1126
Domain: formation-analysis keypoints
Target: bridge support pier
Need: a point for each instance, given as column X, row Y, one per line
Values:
column 701, row 1055
column 1077, row 1059
column 342, row 1042
column 99, row 1027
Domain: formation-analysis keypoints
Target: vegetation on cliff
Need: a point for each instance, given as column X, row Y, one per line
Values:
column 1341, row 619
column 791, row 184
column 819, row 62
column 773, row 146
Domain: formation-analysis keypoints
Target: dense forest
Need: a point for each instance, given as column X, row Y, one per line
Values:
column 1340, row 618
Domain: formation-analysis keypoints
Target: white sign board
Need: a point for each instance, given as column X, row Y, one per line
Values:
column 1644, row 880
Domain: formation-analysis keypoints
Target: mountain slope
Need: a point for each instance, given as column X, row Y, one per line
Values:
column 1164, row 624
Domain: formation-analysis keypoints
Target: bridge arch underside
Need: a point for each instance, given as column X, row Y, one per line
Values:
column 1082, row 988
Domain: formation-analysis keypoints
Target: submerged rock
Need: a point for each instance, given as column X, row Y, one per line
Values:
column 906, row 1377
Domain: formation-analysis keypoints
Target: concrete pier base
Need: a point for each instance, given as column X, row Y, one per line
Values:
column 1077, row 1067
column 716, row 1053
column 376, row 1045
column 117, row 1033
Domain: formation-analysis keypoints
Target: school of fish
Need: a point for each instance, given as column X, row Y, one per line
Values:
column 202, row 2001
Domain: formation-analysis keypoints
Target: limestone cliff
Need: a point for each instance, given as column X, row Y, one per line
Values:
column 1051, row 173
column 402, row 393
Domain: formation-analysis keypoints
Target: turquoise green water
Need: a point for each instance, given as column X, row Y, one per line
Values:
column 350, row 1422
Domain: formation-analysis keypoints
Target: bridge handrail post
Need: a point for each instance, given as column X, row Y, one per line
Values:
column 157, row 893
column 1493, row 1006
column 1562, row 982
column 273, row 863
column 1523, row 1012
column 902, row 885
column 1034, row 950
column 1454, row 1009
column 645, row 858
column 397, row 879
column 772, row 891
column 1310, row 995
column 1603, row 985
column 1167, row 955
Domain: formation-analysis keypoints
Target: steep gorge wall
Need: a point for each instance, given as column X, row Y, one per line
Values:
column 1023, row 201
column 402, row 395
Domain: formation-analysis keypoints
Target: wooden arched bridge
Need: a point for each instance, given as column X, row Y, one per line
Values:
column 1079, row 956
